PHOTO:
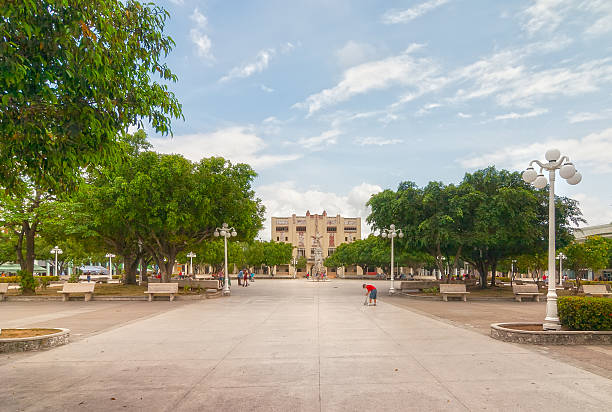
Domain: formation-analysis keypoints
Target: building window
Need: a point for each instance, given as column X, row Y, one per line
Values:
column 300, row 228
column 312, row 252
column 350, row 229
column 282, row 222
column 346, row 239
column 301, row 252
column 331, row 228
column 277, row 238
column 330, row 251
column 282, row 228
column 286, row 239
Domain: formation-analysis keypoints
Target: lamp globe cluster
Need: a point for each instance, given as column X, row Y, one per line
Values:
column 553, row 156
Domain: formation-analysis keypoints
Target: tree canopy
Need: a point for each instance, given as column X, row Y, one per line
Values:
column 75, row 75
column 489, row 216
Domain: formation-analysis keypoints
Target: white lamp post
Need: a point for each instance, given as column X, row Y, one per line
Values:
column 561, row 257
column 568, row 172
column 391, row 233
column 110, row 257
column 226, row 232
column 294, row 262
column 191, row 255
column 512, row 278
column 57, row 251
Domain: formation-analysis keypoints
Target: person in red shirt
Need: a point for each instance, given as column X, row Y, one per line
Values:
column 371, row 289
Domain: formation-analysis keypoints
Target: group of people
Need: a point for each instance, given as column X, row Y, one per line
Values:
column 244, row 278
column 317, row 276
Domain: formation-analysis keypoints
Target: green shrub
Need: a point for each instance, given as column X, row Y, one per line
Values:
column 431, row 290
column 587, row 282
column 27, row 282
column 585, row 313
column 117, row 276
column 9, row 279
column 186, row 288
column 503, row 279
column 74, row 278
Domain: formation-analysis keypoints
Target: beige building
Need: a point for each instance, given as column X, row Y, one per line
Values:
column 303, row 231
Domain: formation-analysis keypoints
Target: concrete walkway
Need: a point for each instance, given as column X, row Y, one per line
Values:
column 288, row 346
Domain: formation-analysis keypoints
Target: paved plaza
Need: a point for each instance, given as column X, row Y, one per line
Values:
column 283, row 345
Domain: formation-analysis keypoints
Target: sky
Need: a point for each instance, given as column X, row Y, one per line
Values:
column 333, row 101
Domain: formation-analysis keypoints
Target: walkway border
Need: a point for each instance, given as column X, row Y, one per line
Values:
column 506, row 333
column 33, row 343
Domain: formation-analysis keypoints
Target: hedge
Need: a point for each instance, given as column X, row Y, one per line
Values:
column 15, row 279
column 585, row 313
column 590, row 282
column 9, row 279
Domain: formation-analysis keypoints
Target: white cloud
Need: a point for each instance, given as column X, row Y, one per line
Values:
column 200, row 20
column 552, row 15
column 533, row 113
column 262, row 60
column 427, row 108
column 403, row 69
column 377, row 141
column 285, row 198
column 326, row 138
column 238, row 144
column 353, row 53
column 202, row 42
column 404, row 16
column 595, row 210
column 591, row 152
column 266, row 88
column 464, row 115
column 178, row 2
column 586, row 116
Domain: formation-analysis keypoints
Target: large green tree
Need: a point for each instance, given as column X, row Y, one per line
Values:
column 74, row 76
column 594, row 253
column 163, row 205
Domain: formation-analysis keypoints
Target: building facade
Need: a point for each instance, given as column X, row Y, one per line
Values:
column 304, row 232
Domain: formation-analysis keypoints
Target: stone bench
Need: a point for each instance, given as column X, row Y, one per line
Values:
column 529, row 291
column 162, row 289
column 3, row 290
column 453, row 290
column 595, row 290
column 70, row 288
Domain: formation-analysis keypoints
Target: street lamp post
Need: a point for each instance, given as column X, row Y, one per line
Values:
column 512, row 278
column 391, row 233
column 294, row 262
column 110, row 257
column 561, row 257
column 57, row 251
column 567, row 171
column 226, row 232
column 191, row 255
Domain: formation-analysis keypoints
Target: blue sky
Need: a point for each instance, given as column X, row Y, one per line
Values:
column 331, row 101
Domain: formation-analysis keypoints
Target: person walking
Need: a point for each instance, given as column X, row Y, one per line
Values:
column 240, row 278
column 371, row 289
column 245, row 279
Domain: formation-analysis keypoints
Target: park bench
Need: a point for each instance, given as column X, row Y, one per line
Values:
column 162, row 289
column 453, row 290
column 70, row 288
column 595, row 290
column 3, row 290
column 522, row 291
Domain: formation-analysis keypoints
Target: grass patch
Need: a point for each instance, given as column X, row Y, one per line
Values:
column 26, row 333
column 103, row 289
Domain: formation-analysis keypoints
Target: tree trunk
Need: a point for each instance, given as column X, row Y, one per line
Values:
column 30, row 233
column 482, row 271
column 130, row 264
column 493, row 270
